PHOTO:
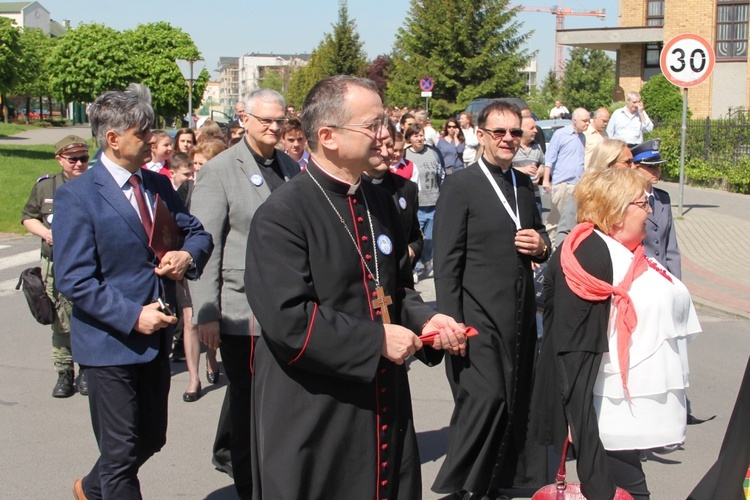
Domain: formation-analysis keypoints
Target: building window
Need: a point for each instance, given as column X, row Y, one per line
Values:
column 655, row 13
column 653, row 51
column 731, row 29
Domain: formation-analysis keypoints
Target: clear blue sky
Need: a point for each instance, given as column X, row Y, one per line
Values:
column 231, row 28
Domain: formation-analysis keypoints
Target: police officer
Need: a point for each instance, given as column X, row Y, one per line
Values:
column 72, row 153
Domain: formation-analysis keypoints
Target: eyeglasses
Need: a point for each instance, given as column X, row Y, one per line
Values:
column 499, row 133
column 266, row 122
column 643, row 204
column 452, row 126
column 374, row 126
column 627, row 162
column 75, row 159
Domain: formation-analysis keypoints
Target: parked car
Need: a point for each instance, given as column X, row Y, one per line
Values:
column 550, row 126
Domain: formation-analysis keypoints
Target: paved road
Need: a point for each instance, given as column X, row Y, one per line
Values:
column 48, row 442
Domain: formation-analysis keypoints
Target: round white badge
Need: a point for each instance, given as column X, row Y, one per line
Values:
column 256, row 179
column 402, row 203
column 384, row 244
column 49, row 218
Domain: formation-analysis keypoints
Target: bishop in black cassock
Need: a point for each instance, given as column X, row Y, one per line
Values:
column 483, row 278
column 332, row 413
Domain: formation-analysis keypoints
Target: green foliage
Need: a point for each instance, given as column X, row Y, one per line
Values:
column 662, row 99
column 36, row 46
column 272, row 80
column 470, row 48
column 339, row 53
column 589, row 79
column 716, row 153
column 10, row 50
column 20, row 167
column 152, row 48
column 542, row 100
column 88, row 61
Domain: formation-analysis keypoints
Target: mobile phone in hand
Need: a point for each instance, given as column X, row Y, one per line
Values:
column 164, row 307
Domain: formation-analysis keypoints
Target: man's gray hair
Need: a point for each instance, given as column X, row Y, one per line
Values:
column 633, row 96
column 324, row 105
column 120, row 111
column 265, row 95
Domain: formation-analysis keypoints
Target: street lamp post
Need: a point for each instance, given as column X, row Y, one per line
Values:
column 186, row 68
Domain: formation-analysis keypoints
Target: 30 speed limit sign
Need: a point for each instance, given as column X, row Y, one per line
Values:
column 687, row 60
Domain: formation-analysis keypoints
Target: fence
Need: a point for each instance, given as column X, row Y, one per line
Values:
column 717, row 141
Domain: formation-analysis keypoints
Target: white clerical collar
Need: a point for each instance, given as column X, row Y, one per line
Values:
column 352, row 187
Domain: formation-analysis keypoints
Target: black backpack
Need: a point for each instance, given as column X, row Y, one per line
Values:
column 41, row 306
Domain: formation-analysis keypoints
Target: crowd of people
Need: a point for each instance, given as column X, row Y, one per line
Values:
column 303, row 235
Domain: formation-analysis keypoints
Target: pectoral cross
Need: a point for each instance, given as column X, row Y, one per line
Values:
column 382, row 302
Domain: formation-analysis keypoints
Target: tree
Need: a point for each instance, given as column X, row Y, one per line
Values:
column 339, row 53
column 589, row 79
column 379, row 71
column 34, row 76
column 10, row 60
column 543, row 99
column 153, row 49
column 470, row 48
column 272, row 79
column 663, row 100
column 88, row 61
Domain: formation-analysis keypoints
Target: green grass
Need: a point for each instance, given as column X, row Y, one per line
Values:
column 7, row 129
column 20, row 167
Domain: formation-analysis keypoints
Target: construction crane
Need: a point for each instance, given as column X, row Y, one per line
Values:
column 560, row 12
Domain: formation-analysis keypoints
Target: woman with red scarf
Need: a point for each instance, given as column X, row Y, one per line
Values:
column 613, row 368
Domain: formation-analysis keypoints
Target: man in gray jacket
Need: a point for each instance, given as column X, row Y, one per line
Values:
column 228, row 191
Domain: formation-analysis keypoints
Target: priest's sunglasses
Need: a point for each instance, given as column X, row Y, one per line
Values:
column 499, row 133
column 266, row 122
column 373, row 126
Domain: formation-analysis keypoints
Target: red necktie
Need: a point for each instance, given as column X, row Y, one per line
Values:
column 142, row 207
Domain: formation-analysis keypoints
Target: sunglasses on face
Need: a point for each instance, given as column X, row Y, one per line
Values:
column 75, row 159
column 499, row 133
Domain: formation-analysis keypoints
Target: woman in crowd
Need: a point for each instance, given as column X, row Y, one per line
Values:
column 199, row 155
column 452, row 146
column 208, row 131
column 431, row 173
column 184, row 140
column 610, row 153
column 613, row 368
column 470, row 138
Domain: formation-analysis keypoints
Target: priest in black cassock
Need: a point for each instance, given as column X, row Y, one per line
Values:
column 329, row 279
column 487, row 234
column 403, row 191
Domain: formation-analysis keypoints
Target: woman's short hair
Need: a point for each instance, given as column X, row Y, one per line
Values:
column 411, row 130
column 603, row 195
column 208, row 149
column 605, row 155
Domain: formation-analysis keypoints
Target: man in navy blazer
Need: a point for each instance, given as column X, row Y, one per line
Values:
column 104, row 265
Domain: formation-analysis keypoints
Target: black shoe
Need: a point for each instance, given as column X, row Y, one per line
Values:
column 225, row 467
column 191, row 397
column 213, row 378
column 64, row 387
column 83, row 385
column 666, row 450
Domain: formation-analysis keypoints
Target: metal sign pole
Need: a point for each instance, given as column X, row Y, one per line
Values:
column 682, row 150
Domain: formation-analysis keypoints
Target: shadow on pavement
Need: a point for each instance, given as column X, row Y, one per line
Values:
column 226, row 493
column 687, row 208
column 432, row 444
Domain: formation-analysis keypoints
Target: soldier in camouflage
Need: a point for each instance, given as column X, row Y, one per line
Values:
column 73, row 155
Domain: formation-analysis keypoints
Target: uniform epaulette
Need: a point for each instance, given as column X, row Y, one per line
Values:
column 45, row 176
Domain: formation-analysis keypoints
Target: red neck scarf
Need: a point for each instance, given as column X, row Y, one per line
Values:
column 588, row 287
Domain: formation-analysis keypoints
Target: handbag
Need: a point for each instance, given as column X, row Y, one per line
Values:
column 41, row 306
column 563, row 490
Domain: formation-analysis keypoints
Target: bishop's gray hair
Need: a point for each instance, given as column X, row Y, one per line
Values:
column 324, row 105
column 121, row 111
column 265, row 95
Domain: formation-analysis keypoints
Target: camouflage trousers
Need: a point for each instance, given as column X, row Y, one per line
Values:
column 61, row 353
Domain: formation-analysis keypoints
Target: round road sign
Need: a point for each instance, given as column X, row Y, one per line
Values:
column 426, row 84
column 687, row 60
